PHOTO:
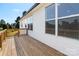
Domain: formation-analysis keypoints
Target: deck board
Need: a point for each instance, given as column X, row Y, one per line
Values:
column 27, row 46
column 8, row 47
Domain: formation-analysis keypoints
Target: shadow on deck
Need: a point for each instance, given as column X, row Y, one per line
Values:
column 27, row 46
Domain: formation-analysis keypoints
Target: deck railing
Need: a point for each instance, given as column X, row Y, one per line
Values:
column 4, row 34
column 17, row 33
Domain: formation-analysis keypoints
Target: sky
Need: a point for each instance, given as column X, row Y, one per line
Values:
column 10, row 11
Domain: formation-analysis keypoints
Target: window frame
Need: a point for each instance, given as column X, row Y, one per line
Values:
column 64, row 17
column 52, row 19
column 31, row 24
column 70, row 13
column 56, row 19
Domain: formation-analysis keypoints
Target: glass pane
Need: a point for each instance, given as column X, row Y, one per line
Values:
column 50, row 27
column 65, row 9
column 29, row 21
column 69, row 27
column 30, row 24
column 50, row 19
column 50, row 11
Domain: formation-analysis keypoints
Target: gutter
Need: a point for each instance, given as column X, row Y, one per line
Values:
column 36, row 4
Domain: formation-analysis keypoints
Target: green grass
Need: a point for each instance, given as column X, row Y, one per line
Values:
column 11, row 32
column 1, row 29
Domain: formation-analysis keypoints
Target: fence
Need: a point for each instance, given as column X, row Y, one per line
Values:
column 3, row 35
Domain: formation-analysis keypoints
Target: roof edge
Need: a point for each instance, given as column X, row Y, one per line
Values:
column 36, row 4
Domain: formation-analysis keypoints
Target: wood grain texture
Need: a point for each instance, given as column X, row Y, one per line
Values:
column 8, row 47
column 27, row 46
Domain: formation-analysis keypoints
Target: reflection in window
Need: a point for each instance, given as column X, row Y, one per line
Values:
column 50, row 26
column 69, row 27
column 65, row 9
column 50, row 21
column 30, row 24
column 50, row 11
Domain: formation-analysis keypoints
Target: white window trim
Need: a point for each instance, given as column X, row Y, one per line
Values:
column 50, row 19
column 56, row 19
column 73, row 15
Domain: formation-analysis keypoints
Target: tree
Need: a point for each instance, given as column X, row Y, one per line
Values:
column 2, row 21
column 13, row 25
column 24, row 13
column 3, row 24
column 9, row 26
column 17, row 22
column 17, row 19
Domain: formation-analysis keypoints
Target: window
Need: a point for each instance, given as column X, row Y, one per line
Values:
column 50, row 11
column 68, row 26
column 21, row 25
column 30, row 24
column 50, row 19
column 65, row 9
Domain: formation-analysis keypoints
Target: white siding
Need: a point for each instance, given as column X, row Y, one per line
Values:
column 66, row 45
column 22, row 26
column 23, row 23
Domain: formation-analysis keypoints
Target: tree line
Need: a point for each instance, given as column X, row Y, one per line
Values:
column 4, row 25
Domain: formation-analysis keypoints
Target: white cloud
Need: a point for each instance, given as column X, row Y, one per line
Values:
column 16, row 10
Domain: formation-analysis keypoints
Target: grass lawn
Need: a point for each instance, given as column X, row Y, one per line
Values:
column 11, row 32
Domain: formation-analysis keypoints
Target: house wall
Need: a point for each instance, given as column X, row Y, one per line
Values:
column 65, row 45
column 22, row 23
column 22, row 27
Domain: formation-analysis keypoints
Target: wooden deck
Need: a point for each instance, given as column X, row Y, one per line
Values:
column 8, row 47
column 27, row 46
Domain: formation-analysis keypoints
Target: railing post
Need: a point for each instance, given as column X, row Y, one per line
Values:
column 6, row 33
column 18, row 33
column 2, row 37
column 26, row 31
column 0, row 41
